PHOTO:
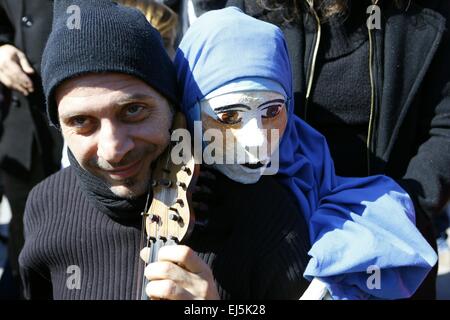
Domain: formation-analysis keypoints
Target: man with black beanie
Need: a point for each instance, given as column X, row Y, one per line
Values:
column 111, row 89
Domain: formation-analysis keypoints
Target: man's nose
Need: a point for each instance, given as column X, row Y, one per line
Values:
column 114, row 142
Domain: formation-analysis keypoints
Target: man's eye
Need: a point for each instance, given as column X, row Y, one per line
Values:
column 229, row 117
column 133, row 110
column 79, row 121
column 272, row 111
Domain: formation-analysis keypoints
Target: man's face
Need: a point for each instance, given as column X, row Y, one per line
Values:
column 116, row 126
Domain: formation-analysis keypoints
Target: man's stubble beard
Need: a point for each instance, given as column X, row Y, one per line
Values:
column 132, row 187
column 135, row 188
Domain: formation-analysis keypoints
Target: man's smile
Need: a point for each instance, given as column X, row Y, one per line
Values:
column 124, row 172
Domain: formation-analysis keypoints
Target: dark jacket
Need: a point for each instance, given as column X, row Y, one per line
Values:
column 411, row 120
column 26, row 24
column 411, row 135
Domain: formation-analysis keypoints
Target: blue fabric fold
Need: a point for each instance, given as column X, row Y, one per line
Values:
column 357, row 225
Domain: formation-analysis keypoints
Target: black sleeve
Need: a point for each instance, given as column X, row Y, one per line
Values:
column 279, row 271
column 427, row 178
column 35, row 286
column 34, row 273
column 6, row 28
column 280, row 275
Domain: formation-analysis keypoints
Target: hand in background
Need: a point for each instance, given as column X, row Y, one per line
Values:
column 14, row 70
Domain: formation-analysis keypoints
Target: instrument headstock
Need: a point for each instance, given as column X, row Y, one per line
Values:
column 170, row 216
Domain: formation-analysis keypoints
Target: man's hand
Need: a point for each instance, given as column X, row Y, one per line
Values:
column 179, row 274
column 14, row 70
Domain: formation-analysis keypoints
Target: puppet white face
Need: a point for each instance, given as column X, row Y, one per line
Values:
column 251, row 124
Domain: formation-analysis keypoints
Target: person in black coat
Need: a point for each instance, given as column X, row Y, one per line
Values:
column 29, row 149
column 380, row 97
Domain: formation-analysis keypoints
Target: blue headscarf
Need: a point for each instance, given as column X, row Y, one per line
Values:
column 358, row 226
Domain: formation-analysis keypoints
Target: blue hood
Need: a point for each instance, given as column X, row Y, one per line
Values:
column 356, row 225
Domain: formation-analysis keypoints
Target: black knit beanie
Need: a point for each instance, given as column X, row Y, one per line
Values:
column 108, row 37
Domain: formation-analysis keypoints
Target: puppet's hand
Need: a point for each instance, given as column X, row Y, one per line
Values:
column 204, row 197
column 317, row 290
column 179, row 274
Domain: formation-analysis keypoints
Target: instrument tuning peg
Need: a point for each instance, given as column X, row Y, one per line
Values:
column 180, row 202
column 186, row 169
column 173, row 209
column 153, row 218
column 174, row 217
column 181, row 185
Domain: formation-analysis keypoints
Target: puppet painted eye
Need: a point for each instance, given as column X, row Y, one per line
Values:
column 229, row 117
column 272, row 111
